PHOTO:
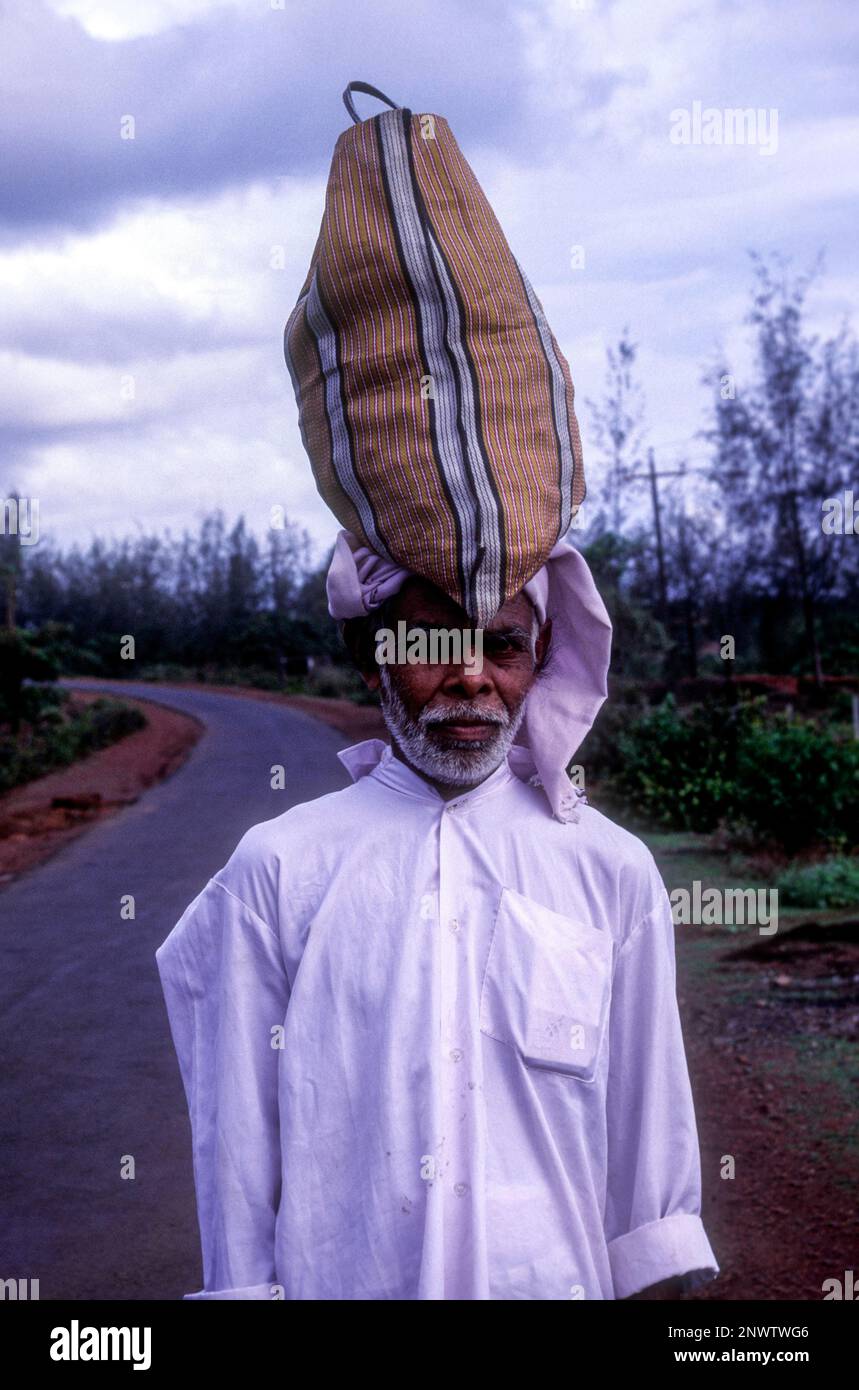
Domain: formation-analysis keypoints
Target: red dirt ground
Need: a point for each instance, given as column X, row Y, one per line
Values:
column 33, row 827
column 771, row 1038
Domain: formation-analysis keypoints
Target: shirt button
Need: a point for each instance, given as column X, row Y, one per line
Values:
column 461, row 1188
column 453, row 924
column 456, row 1055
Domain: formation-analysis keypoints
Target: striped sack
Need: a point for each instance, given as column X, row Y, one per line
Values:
column 434, row 403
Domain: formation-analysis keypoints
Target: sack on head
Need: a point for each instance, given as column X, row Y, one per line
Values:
column 434, row 403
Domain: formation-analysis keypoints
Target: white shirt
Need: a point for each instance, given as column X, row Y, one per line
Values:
column 432, row 1050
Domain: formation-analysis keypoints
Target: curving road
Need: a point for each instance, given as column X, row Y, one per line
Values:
column 88, row 1074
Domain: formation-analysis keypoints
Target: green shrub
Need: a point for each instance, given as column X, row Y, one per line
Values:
column 798, row 784
column 54, row 739
column 164, row 671
column 790, row 781
column 105, row 721
column 674, row 767
column 335, row 682
column 601, row 752
column 831, row 883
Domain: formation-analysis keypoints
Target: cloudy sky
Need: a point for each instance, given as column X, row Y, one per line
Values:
column 145, row 282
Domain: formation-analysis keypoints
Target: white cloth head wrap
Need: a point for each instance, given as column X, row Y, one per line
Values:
column 566, row 698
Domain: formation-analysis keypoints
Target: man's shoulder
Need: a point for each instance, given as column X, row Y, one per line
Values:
column 284, row 845
column 330, row 812
column 590, row 833
column 607, row 836
column 621, row 863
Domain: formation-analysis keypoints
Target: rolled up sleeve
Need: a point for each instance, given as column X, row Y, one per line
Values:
column 653, row 1224
column 226, row 989
column 253, row 1291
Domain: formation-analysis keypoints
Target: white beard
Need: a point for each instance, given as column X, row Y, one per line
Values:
column 463, row 765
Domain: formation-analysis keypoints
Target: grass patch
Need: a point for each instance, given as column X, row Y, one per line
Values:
column 832, row 883
column 62, row 733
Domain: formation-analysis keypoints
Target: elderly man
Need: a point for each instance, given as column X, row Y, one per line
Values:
column 427, row 1028
column 427, row 1025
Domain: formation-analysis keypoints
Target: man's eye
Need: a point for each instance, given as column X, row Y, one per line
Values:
column 502, row 646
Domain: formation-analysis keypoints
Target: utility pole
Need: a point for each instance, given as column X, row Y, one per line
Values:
column 652, row 477
column 657, row 524
column 10, row 564
column 10, row 600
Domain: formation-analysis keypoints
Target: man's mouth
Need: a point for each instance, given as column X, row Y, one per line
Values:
column 466, row 730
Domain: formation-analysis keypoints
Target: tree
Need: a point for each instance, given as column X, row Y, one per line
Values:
column 21, row 658
column 215, row 597
column 617, row 421
column 789, row 439
column 10, row 559
column 639, row 641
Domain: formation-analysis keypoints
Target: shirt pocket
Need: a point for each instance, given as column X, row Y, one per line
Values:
column 547, row 987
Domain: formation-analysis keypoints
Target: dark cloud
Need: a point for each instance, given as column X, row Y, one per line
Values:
column 112, row 335
column 179, row 290
column 232, row 97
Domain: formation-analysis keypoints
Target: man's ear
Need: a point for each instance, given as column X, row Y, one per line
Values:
column 357, row 635
column 543, row 643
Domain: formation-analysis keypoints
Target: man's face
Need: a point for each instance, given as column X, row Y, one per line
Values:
column 452, row 722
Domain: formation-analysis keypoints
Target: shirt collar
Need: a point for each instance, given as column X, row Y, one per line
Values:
column 376, row 758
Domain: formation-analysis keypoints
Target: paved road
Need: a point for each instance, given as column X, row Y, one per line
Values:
column 87, row 1068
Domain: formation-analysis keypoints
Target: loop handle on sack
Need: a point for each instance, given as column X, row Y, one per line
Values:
column 368, row 91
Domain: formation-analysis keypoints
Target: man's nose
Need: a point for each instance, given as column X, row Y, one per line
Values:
column 466, row 680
